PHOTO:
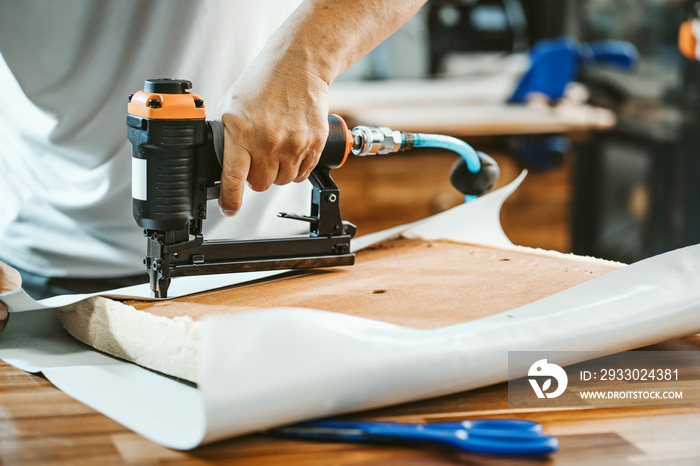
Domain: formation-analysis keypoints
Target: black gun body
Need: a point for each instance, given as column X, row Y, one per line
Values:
column 176, row 170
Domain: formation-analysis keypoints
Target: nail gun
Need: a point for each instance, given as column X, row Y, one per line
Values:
column 176, row 167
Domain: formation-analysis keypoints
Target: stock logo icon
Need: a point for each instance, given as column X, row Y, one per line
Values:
column 542, row 369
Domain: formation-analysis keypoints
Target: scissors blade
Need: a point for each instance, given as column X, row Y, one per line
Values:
column 320, row 432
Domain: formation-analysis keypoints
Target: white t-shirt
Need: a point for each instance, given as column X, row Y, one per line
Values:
column 67, row 68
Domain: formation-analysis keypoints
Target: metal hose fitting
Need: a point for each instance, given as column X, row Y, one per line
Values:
column 376, row 140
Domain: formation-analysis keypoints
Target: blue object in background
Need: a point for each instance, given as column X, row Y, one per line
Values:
column 556, row 63
column 610, row 53
column 540, row 152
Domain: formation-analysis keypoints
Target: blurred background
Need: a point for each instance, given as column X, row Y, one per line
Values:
column 592, row 97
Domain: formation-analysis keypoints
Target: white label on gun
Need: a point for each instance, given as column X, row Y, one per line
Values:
column 138, row 178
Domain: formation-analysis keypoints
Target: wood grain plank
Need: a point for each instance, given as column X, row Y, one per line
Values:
column 61, row 431
column 381, row 192
column 416, row 283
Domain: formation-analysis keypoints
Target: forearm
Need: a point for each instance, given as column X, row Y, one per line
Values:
column 276, row 113
column 326, row 37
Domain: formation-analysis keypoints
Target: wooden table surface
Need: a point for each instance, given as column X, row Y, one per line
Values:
column 460, row 107
column 41, row 425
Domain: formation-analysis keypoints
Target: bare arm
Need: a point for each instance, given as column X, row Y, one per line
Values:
column 276, row 113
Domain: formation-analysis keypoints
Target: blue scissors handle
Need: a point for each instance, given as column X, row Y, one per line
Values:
column 506, row 428
column 508, row 425
column 491, row 438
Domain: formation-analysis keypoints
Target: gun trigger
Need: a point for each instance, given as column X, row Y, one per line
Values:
column 213, row 192
column 303, row 218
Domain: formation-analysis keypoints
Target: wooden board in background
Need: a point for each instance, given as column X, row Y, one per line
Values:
column 377, row 193
column 488, row 119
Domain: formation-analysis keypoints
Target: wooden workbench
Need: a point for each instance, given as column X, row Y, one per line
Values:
column 460, row 107
column 381, row 192
column 41, row 425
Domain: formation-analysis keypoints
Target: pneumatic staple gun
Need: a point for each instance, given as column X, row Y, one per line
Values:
column 176, row 168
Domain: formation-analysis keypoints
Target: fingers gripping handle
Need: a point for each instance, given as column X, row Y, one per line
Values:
column 334, row 154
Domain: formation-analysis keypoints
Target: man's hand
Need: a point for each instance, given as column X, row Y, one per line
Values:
column 9, row 280
column 276, row 120
column 276, row 114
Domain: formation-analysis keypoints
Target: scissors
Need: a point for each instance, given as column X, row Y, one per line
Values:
column 490, row 436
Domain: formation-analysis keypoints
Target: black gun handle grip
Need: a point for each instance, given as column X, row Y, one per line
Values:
column 334, row 153
column 338, row 144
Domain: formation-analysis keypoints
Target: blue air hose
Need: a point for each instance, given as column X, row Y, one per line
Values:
column 439, row 141
column 474, row 173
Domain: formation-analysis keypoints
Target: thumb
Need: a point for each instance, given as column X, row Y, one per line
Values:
column 234, row 173
column 10, row 279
